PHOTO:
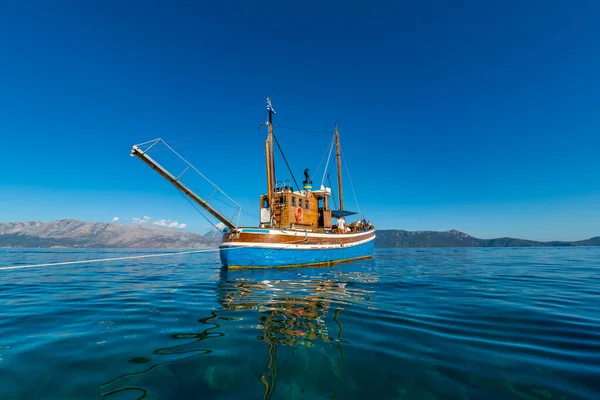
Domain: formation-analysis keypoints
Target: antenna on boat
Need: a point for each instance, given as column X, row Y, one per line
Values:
column 338, row 156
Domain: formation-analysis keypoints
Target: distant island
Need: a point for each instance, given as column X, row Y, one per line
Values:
column 392, row 238
column 70, row 233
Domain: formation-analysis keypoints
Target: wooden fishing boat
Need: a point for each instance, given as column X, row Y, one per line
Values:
column 296, row 226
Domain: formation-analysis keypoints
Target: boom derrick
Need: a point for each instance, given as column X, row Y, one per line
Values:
column 175, row 181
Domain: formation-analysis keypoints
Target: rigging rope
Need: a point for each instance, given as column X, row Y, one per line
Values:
column 300, row 130
column 240, row 208
column 328, row 158
column 196, row 208
column 332, row 193
column 286, row 163
column 238, row 211
column 321, row 163
column 351, row 184
column 199, row 173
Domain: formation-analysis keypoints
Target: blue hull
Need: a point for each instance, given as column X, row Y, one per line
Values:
column 257, row 257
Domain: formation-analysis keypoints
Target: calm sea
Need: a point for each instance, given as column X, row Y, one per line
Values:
column 409, row 324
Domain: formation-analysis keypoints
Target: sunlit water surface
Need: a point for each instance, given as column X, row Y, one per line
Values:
column 409, row 324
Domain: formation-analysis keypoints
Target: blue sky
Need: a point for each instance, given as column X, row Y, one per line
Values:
column 469, row 115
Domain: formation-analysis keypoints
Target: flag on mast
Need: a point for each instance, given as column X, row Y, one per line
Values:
column 269, row 106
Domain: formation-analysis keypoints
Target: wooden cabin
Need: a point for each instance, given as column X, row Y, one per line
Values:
column 305, row 209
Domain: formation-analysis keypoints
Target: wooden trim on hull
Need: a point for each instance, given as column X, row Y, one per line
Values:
column 297, row 237
column 318, row 264
column 297, row 244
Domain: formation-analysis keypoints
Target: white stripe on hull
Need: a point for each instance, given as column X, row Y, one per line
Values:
column 301, row 233
column 293, row 245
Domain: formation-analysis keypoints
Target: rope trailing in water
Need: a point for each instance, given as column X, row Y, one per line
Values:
column 13, row 267
column 104, row 259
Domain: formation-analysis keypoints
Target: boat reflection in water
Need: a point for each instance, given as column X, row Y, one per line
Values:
column 287, row 320
column 294, row 311
column 297, row 313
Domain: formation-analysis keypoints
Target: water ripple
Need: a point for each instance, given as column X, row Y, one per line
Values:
column 410, row 324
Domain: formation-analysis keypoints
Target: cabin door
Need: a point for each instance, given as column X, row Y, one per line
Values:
column 321, row 220
column 265, row 212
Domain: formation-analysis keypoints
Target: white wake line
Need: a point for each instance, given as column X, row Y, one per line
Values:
column 104, row 259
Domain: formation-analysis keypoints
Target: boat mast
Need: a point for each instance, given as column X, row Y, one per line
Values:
column 270, row 160
column 338, row 157
column 268, row 157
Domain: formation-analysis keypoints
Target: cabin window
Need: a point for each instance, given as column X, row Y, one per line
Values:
column 265, row 203
column 300, row 203
column 307, row 204
column 293, row 201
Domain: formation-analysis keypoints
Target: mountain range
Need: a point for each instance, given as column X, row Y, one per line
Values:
column 75, row 233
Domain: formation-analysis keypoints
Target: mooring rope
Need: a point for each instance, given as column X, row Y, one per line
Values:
column 104, row 259
column 13, row 267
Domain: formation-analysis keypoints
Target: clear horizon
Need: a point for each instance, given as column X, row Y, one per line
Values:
column 480, row 117
column 160, row 224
